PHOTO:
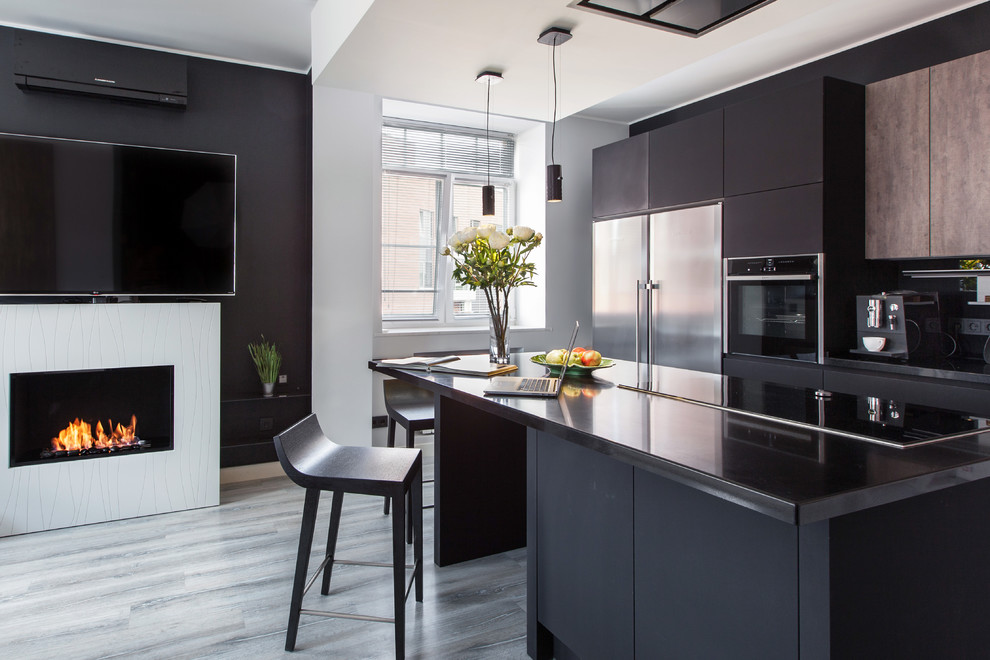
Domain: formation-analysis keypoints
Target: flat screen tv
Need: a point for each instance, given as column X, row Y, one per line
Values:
column 84, row 218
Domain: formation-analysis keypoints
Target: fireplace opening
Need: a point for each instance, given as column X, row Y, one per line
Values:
column 73, row 415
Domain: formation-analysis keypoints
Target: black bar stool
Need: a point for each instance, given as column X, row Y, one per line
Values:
column 316, row 463
column 412, row 408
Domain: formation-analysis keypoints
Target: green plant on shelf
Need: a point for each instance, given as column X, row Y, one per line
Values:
column 267, row 359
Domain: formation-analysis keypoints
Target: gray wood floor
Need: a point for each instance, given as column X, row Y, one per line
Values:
column 215, row 583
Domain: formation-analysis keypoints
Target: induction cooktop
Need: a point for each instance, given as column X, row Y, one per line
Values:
column 873, row 419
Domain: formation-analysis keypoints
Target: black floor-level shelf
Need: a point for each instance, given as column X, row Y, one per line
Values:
column 247, row 426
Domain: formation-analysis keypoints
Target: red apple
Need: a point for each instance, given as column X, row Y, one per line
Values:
column 591, row 358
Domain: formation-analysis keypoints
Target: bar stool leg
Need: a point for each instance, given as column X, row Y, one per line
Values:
column 416, row 514
column 390, row 443
column 399, row 572
column 302, row 564
column 410, row 441
column 335, row 507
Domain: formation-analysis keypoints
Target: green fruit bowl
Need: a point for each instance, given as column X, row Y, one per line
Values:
column 574, row 369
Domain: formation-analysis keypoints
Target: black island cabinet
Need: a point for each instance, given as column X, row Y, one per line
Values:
column 656, row 527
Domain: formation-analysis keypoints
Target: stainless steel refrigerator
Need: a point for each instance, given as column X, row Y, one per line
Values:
column 658, row 288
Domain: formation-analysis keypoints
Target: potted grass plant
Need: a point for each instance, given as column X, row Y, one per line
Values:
column 268, row 361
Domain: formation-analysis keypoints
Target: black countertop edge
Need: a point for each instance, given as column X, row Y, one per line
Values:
column 968, row 371
column 867, row 498
column 791, row 512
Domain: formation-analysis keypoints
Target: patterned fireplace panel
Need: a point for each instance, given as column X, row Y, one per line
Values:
column 75, row 337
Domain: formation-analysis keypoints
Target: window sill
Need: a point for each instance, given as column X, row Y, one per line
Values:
column 447, row 330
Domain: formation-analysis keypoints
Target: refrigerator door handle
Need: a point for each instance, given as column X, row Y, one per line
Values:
column 640, row 287
column 649, row 286
column 654, row 292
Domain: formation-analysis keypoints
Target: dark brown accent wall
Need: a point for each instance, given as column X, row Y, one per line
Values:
column 948, row 38
column 263, row 116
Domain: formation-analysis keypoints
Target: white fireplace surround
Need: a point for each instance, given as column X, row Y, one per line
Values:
column 87, row 336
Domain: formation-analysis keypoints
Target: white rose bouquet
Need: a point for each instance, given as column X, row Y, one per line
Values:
column 495, row 262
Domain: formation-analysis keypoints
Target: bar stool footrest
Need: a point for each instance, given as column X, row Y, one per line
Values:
column 349, row 562
column 345, row 615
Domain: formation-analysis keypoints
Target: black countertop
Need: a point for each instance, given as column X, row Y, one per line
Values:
column 794, row 474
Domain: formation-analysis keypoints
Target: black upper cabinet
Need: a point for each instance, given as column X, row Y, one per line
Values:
column 776, row 140
column 776, row 222
column 620, row 177
column 794, row 171
column 686, row 161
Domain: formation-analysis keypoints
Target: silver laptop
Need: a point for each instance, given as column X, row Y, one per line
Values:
column 547, row 386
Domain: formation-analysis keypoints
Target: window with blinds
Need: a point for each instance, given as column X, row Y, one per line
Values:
column 438, row 148
column 431, row 187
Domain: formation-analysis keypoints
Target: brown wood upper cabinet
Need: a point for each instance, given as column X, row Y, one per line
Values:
column 960, row 157
column 928, row 162
column 897, row 196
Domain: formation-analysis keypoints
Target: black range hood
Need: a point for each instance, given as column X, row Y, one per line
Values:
column 690, row 17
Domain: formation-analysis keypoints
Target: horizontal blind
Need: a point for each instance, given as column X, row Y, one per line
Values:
column 438, row 148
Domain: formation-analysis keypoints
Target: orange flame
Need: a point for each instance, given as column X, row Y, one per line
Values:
column 78, row 436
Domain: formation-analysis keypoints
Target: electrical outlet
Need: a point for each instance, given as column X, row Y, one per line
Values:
column 283, row 379
column 266, row 424
column 379, row 421
column 973, row 326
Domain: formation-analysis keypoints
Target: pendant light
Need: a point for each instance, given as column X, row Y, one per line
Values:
column 488, row 78
column 555, row 182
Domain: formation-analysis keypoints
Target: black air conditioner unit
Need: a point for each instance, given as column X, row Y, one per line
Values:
column 78, row 66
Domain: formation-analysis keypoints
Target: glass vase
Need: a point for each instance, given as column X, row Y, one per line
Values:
column 498, row 341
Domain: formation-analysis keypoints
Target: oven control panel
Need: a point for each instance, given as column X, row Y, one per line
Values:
column 787, row 265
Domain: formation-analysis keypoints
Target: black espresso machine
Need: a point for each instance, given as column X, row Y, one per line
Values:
column 898, row 324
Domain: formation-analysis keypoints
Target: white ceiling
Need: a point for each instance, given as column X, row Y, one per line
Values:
column 429, row 51
column 269, row 33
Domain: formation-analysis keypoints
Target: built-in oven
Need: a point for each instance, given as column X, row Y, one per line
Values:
column 773, row 307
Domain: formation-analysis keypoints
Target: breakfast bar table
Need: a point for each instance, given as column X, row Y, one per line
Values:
column 696, row 515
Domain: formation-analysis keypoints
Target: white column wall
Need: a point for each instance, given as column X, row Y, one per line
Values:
column 346, row 199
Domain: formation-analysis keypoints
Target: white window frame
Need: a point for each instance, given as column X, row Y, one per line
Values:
column 445, row 283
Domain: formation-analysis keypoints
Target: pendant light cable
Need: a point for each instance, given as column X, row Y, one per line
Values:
column 553, row 125
column 488, row 190
column 553, row 37
column 488, row 141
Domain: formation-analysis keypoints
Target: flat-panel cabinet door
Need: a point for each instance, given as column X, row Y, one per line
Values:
column 686, row 161
column 960, row 156
column 713, row 579
column 584, row 548
column 620, row 177
column 776, row 222
column 897, row 172
column 776, row 140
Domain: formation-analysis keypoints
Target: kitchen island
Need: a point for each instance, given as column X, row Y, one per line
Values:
column 656, row 527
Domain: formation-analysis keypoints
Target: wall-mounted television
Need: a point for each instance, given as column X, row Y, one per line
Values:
column 82, row 218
